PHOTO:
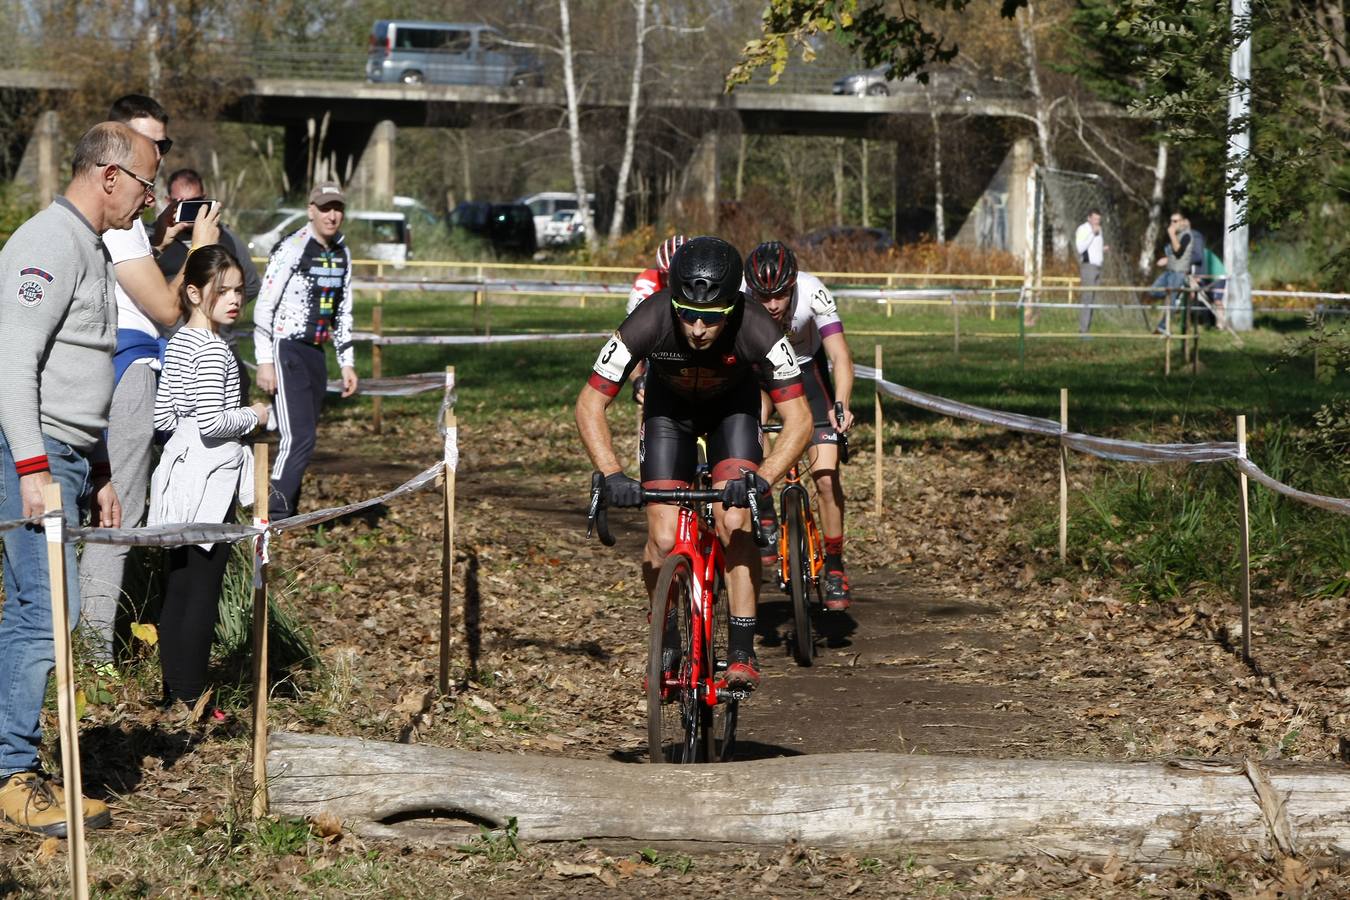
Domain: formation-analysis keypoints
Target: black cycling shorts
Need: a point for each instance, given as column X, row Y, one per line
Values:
column 820, row 397
column 671, row 426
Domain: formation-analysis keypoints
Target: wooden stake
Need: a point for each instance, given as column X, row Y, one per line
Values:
column 1167, row 340
column 877, row 442
column 377, row 362
column 1063, row 476
column 261, row 499
column 53, row 523
column 956, row 329
column 447, row 536
column 1246, row 545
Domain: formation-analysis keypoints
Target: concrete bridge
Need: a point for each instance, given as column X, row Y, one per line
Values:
column 364, row 118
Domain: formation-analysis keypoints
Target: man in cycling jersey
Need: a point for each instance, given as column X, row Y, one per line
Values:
column 805, row 310
column 708, row 354
column 647, row 283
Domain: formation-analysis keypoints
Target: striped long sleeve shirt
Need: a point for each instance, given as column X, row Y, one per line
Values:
column 201, row 380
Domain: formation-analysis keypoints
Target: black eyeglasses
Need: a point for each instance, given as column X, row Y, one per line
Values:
column 148, row 185
column 164, row 145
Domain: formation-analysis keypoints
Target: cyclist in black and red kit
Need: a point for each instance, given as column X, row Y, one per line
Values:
column 708, row 353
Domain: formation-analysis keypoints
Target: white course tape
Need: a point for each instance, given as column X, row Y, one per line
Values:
column 178, row 534
column 1107, row 448
column 451, row 449
column 19, row 523
column 462, row 339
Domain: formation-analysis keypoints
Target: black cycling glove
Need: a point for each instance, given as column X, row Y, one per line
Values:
column 735, row 494
column 639, row 387
column 622, row 490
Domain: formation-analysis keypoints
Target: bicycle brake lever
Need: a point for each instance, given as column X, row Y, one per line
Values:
column 597, row 516
column 752, row 494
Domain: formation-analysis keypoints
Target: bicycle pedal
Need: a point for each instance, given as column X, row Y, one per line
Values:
column 737, row 694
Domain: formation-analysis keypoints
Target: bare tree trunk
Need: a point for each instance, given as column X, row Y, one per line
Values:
column 1154, row 214
column 1144, row 812
column 939, row 209
column 866, row 189
column 630, row 131
column 839, row 181
column 1026, row 32
column 574, row 126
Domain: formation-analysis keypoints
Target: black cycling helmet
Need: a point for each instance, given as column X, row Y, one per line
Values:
column 706, row 271
column 771, row 269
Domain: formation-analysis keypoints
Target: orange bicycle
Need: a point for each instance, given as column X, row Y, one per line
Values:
column 801, row 559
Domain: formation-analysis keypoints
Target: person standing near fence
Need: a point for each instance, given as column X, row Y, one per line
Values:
column 203, row 467
column 59, row 319
column 1091, row 248
column 1176, row 263
column 147, row 307
column 305, row 302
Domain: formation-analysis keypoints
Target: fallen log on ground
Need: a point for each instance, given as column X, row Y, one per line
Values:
column 1148, row 812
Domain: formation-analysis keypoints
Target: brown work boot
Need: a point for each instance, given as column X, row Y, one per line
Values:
column 31, row 801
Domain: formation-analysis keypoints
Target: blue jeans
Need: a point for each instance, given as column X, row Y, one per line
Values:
column 27, row 654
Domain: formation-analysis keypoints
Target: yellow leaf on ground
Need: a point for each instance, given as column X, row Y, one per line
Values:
column 145, row 632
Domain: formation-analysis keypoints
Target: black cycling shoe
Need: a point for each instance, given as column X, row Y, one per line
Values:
column 838, row 595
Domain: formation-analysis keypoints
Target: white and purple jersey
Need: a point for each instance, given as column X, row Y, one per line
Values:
column 814, row 315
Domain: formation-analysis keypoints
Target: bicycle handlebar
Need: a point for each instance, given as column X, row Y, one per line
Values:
column 597, row 516
column 775, row 428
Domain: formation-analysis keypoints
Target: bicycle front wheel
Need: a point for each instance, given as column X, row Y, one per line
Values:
column 719, row 738
column 673, row 714
column 794, row 515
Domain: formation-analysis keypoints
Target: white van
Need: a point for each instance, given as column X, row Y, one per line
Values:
column 544, row 205
column 385, row 236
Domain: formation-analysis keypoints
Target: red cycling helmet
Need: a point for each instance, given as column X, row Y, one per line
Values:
column 771, row 269
column 666, row 252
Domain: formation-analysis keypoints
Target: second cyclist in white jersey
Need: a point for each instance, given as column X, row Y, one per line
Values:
column 806, row 310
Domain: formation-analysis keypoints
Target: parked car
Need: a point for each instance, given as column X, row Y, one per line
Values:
column 566, row 227
column 385, row 236
column 417, row 52
column 854, row 237
column 507, row 226
column 544, row 205
column 873, row 82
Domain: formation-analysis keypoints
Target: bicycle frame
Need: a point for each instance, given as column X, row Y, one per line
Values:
column 815, row 547
column 695, row 540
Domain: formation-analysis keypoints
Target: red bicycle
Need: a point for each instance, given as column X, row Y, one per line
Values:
column 691, row 712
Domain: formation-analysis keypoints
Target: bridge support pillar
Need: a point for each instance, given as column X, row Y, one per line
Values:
column 694, row 202
column 1023, row 157
column 40, row 168
column 372, row 187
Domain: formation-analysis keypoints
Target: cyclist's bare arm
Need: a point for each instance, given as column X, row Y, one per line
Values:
column 792, row 440
column 841, row 368
column 594, row 428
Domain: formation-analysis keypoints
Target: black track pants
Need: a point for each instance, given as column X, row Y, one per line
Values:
column 302, row 379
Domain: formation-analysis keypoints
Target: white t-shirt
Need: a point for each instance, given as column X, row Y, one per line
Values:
column 126, row 244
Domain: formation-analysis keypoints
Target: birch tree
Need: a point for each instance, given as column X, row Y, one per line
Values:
column 574, row 143
column 630, row 126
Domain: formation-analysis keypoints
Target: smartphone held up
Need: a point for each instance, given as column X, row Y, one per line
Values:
column 189, row 210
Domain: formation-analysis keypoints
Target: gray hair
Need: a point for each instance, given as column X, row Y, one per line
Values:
column 103, row 145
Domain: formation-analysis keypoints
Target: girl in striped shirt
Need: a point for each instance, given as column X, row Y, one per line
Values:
column 204, row 466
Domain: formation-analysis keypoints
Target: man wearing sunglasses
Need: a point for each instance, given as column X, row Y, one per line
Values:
column 147, row 306
column 708, row 354
column 805, row 310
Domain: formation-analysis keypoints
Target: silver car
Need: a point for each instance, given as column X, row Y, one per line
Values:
column 873, row 82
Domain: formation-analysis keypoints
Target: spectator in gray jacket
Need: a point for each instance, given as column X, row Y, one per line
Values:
column 59, row 322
